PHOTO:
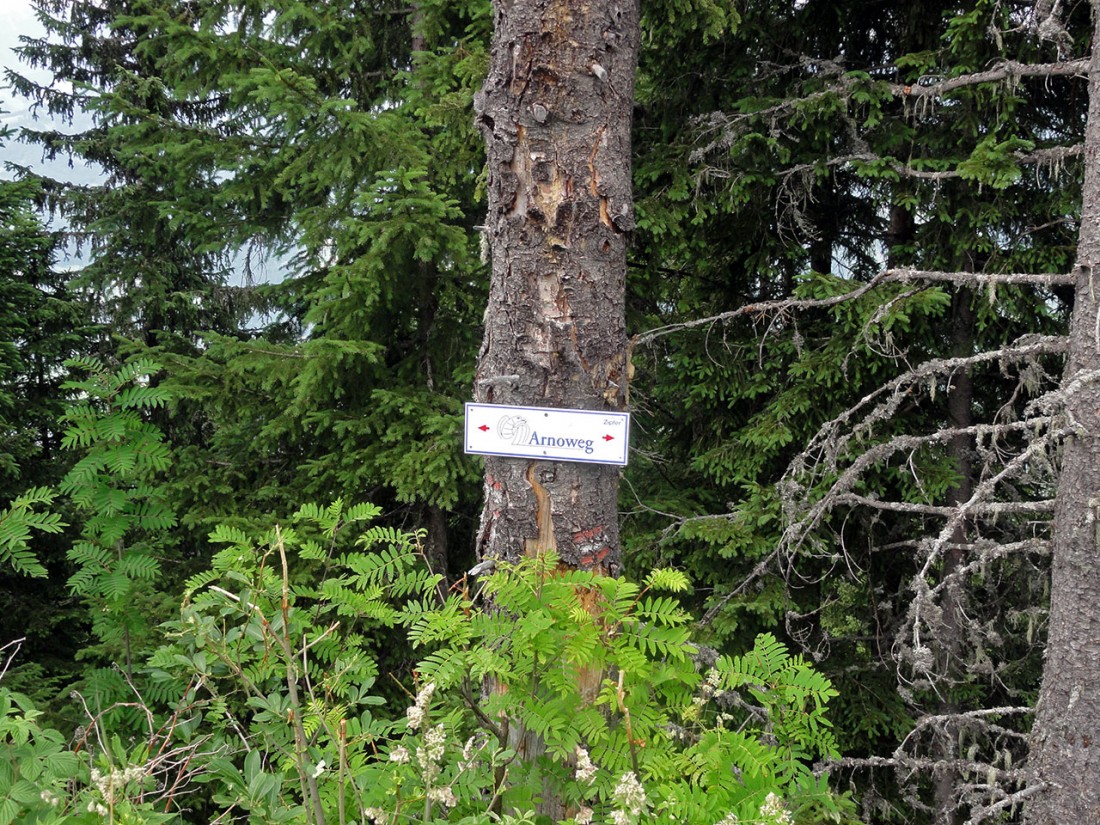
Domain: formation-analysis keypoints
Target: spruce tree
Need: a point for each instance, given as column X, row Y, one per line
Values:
column 43, row 323
column 332, row 146
column 820, row 164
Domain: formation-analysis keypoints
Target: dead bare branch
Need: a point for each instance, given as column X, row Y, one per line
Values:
column 985, row 489
column 986, row 795
column 1006, row 70
column 1049, row 155
column 985, row 508
column 988, row 551
column 801, row 527
column 758, row 571
column 14, row 644
column 983, row 814
column 923, row 604
column 829, row 442
column 899, row 275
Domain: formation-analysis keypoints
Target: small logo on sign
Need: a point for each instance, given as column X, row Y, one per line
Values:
column 514, row 428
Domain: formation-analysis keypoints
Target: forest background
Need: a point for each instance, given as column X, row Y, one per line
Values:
column 848, row 293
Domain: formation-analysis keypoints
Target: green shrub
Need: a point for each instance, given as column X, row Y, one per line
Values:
column 537, row 689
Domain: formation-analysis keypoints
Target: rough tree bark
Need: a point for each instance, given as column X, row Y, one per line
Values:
column 555, row 112
column 1065, row 747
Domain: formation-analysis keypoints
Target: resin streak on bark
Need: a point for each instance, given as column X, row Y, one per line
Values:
column 555, row 111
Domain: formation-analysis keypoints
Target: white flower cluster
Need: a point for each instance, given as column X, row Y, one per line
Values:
column 376, row 815
column 730, row 819
column 586, row 771
column 431, row 752
column 116, row 779
column 429, row 757
column 419, row 709
column 711, row 684
column 773, row 812
column 443, row 795
column 630, row 799
column 474, row 746
column 50, row 798
column 109, row 785
column 711, row 688
column 678, row 732
column 584, row 816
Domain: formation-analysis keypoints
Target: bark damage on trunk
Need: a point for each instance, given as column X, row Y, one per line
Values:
column 555, row 112
column 1065, row 746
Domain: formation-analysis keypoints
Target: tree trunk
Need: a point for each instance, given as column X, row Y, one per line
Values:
column 555, row 111
column 951, row 641
column 1065, row 746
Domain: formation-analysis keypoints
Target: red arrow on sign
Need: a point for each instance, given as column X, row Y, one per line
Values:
column 484, row 428
column 609, row 438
